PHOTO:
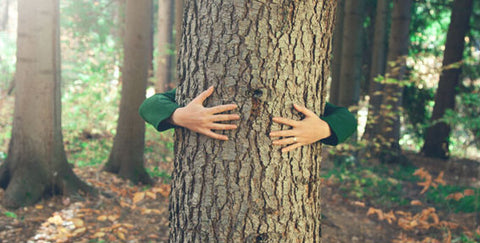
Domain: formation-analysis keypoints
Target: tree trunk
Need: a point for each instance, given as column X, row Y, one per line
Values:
column 436, row 138
column 396, row 66
column 337, row 53
column 179, row 5
column 263, row 56
column 4, row 16
column 377, row 68
column 165, row 38
column 36, row 164
column 350, row 73
column 126, row 157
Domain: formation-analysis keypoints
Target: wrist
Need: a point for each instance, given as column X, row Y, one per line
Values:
column 176, row 117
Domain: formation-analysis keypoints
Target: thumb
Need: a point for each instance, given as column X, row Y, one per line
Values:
column 203, row 96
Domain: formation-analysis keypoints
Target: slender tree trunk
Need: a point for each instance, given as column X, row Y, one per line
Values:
column 436, row 138
column 179, row 7
column 350, row 73
column 126, row 157
column 4, row 17
column 377, row 68
column 337, row 53
column 165, row 38
column 36, row 164
column 395, row 73
column 263, row 56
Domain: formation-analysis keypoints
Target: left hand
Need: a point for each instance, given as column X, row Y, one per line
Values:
column 307, row 131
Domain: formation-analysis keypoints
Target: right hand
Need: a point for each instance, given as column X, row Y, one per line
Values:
column 200, row 119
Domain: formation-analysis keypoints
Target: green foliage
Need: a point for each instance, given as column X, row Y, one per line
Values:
column 467, row 204
column 7, row 59
column 430, row 20
column 11, row 215
column 415, row 103
column 465, row 120
column 380, row 185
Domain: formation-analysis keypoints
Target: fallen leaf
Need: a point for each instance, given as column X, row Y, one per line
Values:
column 77, row 222
column 416, row 203
column 79, row 231
column 358, row 203
column 121, row 236
column 151, row 195
column 102, row 218
column 468, row 192
column 457, row 196
column 137, row 197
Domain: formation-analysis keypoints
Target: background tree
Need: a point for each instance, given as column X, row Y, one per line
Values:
column 436, row 138
column 350, row 71
column 36, row 164
column 337, row 52
column 263, row 56
column 126, row 157
column 378, row 63
column 398, row 43
column 165, row 39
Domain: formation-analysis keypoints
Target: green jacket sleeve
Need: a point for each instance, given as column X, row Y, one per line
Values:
column 342, row 124
column 156, row 109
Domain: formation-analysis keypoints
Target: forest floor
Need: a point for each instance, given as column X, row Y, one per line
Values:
column 140, row 214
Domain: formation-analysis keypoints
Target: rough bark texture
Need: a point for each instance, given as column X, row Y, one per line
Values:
column 126, row 157
column 350, row 72
column 36, row 164
column 165, row 39
column 377, row 68
column 263, row 56
column 337, row 52
column 436, row 138
column 396, row 65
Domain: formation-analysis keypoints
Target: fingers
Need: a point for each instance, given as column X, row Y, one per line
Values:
column 211, row 134
column 303, row 110
column 203, row 96
column 228, row 117
column 220, row 126
column 282, row 133
column 284, row 141
column 222, row 108
column 285, row 121
column 291, row 147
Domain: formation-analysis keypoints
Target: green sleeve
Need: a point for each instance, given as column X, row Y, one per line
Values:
column 342, row 124
column 156, row 109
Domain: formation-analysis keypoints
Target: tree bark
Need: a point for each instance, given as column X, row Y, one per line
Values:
column 396, row 65
column 377, row 68
column 263, row 56
column 165, row 39
column 350, row 74
column 436, row 138
column 36, row 165
column 126, row 158
column 337, row 53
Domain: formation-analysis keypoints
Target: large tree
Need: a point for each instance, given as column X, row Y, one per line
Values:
column 436, row 137
column 126, row 157
column 36, row 164
column 263, row 56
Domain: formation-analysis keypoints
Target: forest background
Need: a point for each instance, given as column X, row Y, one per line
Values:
column 390, row 180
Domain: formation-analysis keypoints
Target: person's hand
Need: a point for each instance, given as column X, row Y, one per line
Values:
column 307, row 131
column 200, row 119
